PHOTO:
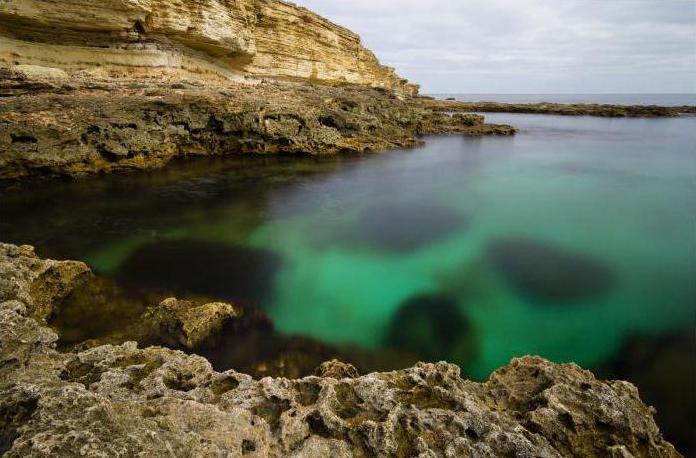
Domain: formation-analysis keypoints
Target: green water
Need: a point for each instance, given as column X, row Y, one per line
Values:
column 352, row 241
column 574, row 240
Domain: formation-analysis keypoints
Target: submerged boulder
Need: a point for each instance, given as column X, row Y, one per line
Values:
column 432, row 327
column 195, row 267
column 549, row 273
column 408, row 226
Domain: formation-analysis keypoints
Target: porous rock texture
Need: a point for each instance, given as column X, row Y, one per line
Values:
column 53, row 128
column 213, row 40
column 129, row 401
column 100, row 86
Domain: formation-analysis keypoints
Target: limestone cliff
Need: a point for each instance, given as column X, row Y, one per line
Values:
column 212, row 40
column 125, row 401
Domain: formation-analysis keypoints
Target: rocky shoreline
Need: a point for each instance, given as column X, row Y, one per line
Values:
column 54, row 128
column 122, row 400
column 562, row 109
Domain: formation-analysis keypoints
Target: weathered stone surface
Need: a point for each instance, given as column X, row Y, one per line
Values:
column 49, row 128
column 183, row 323
column 336, row 369
column 211, row 40
column 34, row 283
column 126, row 401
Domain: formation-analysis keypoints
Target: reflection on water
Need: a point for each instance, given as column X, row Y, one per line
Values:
column 567, row 240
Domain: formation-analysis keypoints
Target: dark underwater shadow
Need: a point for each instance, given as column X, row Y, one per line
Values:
column 195, row 267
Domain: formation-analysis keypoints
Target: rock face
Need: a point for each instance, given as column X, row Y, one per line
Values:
column 182, row 323
column 213, row 40
column 48, row 127
column 125, row 401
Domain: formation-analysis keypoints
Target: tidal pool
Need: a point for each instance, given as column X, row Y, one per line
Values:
column 570, row 240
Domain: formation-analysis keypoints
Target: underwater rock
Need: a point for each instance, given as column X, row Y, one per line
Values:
column 194, row 267
column 407, row 226
column 548, row 273
column 176, row 322
column 129, row 401
column 432, row 327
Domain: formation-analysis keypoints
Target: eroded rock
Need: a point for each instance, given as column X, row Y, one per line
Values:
column 124, row 401
column 182, row 323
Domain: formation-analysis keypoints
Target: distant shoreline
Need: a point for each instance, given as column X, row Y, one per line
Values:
column 605, row 110
column 623, row 99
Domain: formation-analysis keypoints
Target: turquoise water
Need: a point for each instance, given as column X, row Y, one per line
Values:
column 574, row 240
column 563, row 241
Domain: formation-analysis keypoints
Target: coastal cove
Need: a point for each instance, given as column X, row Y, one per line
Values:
column 421, row 242
column 228, row 228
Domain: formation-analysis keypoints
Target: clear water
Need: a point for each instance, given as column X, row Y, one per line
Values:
column 665, row 100
column 570, row 240
column 563, row 241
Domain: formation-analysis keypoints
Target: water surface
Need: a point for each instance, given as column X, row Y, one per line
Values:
column 572, row 240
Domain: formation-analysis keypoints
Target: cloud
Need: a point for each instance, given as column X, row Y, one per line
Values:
column 531, row 45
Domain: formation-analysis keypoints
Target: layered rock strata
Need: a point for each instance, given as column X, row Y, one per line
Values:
column 124, row 400
column 211, row 40
column 87, row 125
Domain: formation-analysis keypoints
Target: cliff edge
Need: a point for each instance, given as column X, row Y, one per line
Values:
column 207, row 40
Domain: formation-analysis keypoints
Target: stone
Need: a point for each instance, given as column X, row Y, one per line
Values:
column 51, row 129
column 128, row 401
column 433, row 327
column 210, row 40
column 661, row 366
column 181, row 323
column 336, row 369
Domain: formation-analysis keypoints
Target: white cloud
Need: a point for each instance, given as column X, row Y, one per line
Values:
column 531, row 45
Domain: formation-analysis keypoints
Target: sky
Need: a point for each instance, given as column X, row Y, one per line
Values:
column 528, row 46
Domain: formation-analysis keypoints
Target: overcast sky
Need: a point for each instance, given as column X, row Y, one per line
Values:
column 528, row 46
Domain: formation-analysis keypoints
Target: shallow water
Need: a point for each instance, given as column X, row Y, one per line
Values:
column 564, row 241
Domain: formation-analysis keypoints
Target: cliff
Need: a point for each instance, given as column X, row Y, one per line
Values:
column 128, row 401
column 209, row 40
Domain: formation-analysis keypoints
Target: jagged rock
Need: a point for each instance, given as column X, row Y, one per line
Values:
column 176, row 322
column 50, row 129
column 198, row 77
column 126, row 401
column 38, row 285
column 336, row 369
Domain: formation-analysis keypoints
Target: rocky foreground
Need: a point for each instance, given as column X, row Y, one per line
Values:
column 129, row 401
